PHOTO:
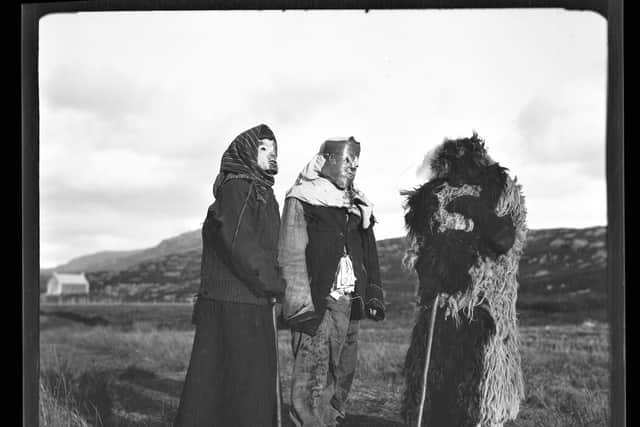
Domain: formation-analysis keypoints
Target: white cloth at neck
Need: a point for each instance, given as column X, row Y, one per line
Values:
column 316, row 190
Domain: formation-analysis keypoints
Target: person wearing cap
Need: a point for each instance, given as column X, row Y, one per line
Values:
column 231, row 379
column 328, row 255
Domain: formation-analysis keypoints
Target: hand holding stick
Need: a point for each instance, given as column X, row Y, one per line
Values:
column 275, row 332
column 432, row 322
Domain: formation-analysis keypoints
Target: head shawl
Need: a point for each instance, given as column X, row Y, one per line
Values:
column 240, row 161
column 310, row 187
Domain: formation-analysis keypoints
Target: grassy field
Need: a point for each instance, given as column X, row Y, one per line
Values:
column 123, row 365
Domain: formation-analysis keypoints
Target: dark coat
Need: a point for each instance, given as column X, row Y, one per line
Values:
column 240, row 246
column 231, row 379
column 330, row 230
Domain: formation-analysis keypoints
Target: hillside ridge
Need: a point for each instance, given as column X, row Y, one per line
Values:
column 556, row 261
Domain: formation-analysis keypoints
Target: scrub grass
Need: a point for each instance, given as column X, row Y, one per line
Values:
column 132, row 375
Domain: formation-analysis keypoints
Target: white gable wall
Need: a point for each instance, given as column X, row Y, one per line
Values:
column 67, row 284
column 53, row 286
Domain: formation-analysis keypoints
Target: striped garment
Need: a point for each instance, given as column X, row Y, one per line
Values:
column 240, row 161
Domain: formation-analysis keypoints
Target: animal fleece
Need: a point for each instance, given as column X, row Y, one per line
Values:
column 467, row 229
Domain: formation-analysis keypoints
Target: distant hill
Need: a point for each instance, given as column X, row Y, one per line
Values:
column 121, row 260
column 557, row 263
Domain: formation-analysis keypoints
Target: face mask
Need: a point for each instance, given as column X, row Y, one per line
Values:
column 268, row 156
column 342, row 156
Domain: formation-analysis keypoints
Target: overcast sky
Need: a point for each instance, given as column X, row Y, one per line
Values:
column 136, row 109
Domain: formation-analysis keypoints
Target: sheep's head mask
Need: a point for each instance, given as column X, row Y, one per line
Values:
column 458, row 160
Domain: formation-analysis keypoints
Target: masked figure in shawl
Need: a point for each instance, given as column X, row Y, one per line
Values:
column 329, row 260
column 231, row 380
column 467, row 230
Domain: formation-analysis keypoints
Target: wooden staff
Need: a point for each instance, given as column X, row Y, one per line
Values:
column 275, row 332
column 432, row 322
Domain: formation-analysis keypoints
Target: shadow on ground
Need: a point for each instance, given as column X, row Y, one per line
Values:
column 76, row 317
column 352, row 420
column 369, row 421
column 142, row 389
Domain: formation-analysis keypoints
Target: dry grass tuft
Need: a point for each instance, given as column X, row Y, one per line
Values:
column 133, row 377
column 57, row 408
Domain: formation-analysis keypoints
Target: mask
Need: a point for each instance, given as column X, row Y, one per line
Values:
column 342, row 156
column 268, row 156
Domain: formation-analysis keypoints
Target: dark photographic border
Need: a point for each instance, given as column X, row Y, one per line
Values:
column 612, row 10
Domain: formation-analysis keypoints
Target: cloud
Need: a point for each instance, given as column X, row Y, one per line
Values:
column 583, row 206
column 101, row 90
column 61, row 246
column 133, row 123
column 76, row 221
column 173, row 200
column 107, row 169
column 537, row 117
column 424, row 171
column 289, row 99
column 566, row 126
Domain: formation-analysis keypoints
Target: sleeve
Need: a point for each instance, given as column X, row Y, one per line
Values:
column 498, row 233
column 372, row 264
column 297, row 304
column 236, row 223
column 503, row 235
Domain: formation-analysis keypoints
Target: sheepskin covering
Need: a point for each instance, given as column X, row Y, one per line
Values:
column 475, row 377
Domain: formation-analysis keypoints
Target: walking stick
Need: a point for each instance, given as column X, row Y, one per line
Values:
column 275, row 332
column 423, row 394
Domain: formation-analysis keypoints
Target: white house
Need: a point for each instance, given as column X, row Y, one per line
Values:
column 67, row 284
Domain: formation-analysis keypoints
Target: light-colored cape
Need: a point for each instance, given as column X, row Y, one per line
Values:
column 310, row 187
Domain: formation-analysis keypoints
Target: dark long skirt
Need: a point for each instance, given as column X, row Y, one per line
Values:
column 231, row 379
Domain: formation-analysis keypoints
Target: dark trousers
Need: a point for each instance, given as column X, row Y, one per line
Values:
column 231, row 379
column 324, row 367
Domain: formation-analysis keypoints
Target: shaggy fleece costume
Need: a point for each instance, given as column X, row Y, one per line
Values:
column 467, row 229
